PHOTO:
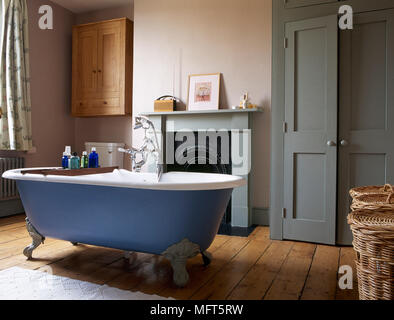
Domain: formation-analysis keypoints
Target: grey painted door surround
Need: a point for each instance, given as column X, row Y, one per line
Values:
column 363, row 142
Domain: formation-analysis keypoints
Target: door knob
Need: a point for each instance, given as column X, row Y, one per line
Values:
column 344, row 143
column 331, row 143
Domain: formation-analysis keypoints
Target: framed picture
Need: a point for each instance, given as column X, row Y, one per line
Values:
column 203, row 92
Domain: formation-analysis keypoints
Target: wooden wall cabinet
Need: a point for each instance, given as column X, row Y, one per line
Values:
column 102, row 68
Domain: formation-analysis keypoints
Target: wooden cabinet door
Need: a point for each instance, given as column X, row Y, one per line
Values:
column 85, row 63
column 109, row 59
column 310, row 153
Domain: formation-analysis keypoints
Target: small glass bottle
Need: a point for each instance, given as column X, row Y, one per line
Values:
column 74, row 161
column 65, row 161
column 93, row 159
column 84, row 160
column 66, row 157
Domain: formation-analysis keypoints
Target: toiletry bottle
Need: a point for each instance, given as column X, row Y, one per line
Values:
column 93, row 159
column 74, row 161
column 84, row 160
column 65, row 161
column 66, row 157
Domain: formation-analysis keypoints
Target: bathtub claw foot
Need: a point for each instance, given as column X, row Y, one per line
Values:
column 206, row 258
column 178, row 254
column 128, row 256
column 37, row 240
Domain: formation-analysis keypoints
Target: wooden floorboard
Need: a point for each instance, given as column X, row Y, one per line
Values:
column 220, row 286
column 11, row 220
column 322, row 277
column 258, row 280
column 290, row 281
column 251, row 268
column 347, row 258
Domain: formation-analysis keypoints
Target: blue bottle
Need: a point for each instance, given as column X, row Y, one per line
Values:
column 93, row 159
column 66, row 157
column 65, row 161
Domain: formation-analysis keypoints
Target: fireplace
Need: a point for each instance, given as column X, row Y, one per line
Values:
column 235, row 128
column 208, row 154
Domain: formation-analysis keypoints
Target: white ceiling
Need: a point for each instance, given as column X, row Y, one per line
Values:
column 80, row 6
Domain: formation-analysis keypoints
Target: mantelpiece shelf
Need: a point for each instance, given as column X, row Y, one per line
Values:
column 220, row 111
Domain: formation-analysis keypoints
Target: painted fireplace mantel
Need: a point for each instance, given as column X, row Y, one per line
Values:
column 235, row 121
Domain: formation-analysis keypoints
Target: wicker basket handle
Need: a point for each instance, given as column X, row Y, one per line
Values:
column 388, row 187
column 391, row 196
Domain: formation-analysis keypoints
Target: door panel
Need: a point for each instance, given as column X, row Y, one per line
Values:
column 366, row 108
column 86, row 65
column 311, row 118
column 368, row 93
column 310, row 109
column 304, row 208
column 367, row 169
column 109, row 51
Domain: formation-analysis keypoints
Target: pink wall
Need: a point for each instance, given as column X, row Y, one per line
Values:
column 50, row 63
column 228, row 36
column 107, row 14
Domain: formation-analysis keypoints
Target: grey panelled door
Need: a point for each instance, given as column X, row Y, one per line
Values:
column 310, row 140
column 366, row 154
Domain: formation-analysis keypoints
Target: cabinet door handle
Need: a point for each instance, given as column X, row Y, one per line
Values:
column 344, row 143
column 99, row 71
column 331, row 143
column 94, row 71
column 105, row 102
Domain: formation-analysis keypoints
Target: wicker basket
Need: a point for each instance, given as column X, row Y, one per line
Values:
column 386, row 189
column 373, row 233
column 374, row 201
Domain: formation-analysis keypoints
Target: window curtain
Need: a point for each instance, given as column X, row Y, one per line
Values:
column 15, row 104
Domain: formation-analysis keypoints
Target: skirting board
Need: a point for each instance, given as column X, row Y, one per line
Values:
column 260, row 216
column 11, row 207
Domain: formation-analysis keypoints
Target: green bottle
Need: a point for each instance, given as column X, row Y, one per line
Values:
column 85, row 160
column 74, row 161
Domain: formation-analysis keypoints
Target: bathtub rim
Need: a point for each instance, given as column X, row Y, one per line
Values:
column 216, row 181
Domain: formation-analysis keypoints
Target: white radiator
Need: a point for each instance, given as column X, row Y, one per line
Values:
column 8, row 190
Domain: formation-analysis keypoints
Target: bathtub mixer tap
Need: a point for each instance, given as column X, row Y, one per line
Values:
column 149, row 147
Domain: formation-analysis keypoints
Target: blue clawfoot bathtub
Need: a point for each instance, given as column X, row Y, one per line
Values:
column 177, row 217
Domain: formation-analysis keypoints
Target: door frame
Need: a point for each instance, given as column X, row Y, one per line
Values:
column 280, row 16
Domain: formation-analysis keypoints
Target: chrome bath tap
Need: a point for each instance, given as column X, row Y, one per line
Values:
column 139, row 156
